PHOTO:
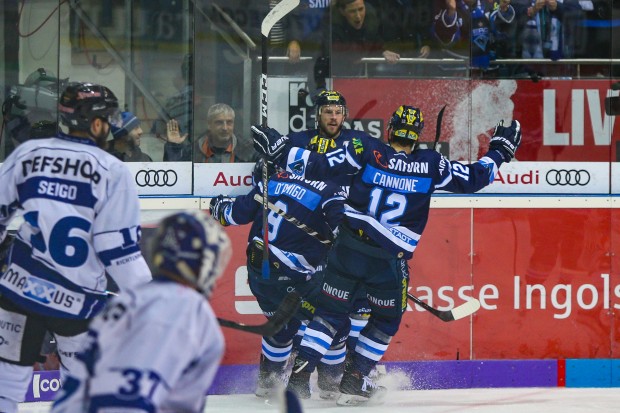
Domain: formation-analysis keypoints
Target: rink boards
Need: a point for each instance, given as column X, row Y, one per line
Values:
column 424, row 375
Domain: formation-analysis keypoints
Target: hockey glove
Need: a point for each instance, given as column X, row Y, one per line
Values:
column 218, row 208
column 269, row 142
column 506, row 140
column 5, row 247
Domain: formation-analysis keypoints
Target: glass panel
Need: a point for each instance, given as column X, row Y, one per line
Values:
column 228, row 41
column 29, row 72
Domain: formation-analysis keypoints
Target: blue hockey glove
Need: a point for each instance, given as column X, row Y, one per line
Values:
column 218, row 207
column 269, row 142
column 506, row 140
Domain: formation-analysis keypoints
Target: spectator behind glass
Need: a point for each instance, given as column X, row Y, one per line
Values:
column 218, row 144
column 462, row 30
column 546, row 27
column 305, row 35
column 503, row 21
column 126, row 143
column 549, row 30
column 356, row 33
column 305, row 30
column 405, row 29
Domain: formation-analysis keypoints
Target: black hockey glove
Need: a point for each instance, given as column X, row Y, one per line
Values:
column 218, row 206
column 269, row 142
column 506, row 140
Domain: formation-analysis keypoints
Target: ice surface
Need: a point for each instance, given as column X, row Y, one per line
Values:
column 504, row 400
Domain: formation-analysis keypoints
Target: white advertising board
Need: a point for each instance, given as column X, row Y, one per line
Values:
column 162, row 178
column 229, row 179
column 551, row 178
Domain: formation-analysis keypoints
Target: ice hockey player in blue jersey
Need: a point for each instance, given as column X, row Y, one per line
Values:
column 331, row 112
column 296, row 259
column 157, row 347
column 81, row 220
column 385, row 214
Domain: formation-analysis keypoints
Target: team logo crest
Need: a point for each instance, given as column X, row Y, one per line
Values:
column 297, row 167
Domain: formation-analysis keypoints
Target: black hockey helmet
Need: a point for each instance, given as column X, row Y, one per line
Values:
column 406, row 124
column 80, row 103
column 330, row 97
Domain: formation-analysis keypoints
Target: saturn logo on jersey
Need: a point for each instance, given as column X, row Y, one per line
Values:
column 152, row 177
column 379, row 158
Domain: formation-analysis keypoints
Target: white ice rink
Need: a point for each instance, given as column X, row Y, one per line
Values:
column 521, row 400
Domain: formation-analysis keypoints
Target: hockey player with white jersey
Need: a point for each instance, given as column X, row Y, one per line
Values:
column 156, row 348
column 81, row 221
column 385, row 215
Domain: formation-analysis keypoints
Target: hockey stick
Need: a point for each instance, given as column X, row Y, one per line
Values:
column 288, row 307
column 438, row 127
column 275, row 15
column 456, row 313
column 294, row 221
column 463, row 310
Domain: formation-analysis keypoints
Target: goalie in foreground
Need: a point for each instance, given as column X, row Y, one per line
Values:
column 157, row 347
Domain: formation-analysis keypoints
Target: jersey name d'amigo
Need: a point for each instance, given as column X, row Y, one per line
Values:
column 317, row 204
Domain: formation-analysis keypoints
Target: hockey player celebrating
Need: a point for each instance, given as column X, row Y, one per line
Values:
column 81, row 221
column 296, row 259
column 385, row 214
column 156, row 348
column 329, row 134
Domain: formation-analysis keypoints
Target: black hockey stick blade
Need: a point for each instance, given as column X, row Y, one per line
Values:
column 291, row 403
column 276, row 14
column 294, row 221
column 288, row 307
column 464, row 310
column 438, row 127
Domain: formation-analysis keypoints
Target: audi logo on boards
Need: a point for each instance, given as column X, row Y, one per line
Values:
column 153, row 177
column 570, row 177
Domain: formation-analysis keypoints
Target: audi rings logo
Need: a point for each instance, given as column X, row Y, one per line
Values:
column 152, row 177
column 570, row 177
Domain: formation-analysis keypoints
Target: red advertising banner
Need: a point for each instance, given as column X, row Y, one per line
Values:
column 547, row 280
column 562, row 120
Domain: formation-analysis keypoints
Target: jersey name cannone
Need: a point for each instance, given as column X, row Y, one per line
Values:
column 397, row 183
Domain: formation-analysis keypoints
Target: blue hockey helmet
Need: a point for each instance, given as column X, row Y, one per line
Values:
column 193, row 247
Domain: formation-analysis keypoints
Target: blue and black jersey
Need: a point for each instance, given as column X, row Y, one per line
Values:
column 319, row 205
column 311, row 139
column 390, row 191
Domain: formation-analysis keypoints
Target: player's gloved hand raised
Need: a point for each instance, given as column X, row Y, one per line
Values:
column 506, row 140
column 269, row 142
column 218, row 207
